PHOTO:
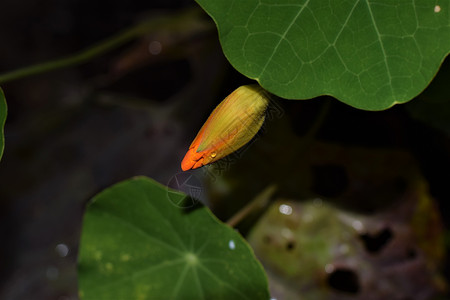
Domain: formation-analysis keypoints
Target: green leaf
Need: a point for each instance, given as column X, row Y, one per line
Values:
column 3, row 112
column 368, row 54
column 137, row 244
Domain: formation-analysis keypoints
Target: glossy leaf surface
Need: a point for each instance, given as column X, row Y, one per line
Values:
column 138, row 243
column 368, row 54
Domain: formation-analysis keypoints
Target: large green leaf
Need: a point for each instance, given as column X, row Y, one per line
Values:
column 136, row 244
column 3, row 111
column 370, row 54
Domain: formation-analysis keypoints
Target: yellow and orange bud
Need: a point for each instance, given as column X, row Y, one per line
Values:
column 231, row 125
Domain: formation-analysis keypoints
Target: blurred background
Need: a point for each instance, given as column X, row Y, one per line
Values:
column 357, row 202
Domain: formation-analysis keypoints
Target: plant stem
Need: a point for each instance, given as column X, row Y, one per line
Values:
column 259, row 202
column 75, row 59
column 96, row 50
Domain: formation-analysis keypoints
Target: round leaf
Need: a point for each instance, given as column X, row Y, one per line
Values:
column 368, row 54
column 137, row 244
column 3, row 111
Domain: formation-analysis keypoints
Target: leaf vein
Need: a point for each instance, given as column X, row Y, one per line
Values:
column 142, row 232
column 383, row 50
column 283, row 37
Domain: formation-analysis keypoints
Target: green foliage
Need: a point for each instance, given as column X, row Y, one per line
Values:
column 137, row 244
column 368, row 54
column 3, row 111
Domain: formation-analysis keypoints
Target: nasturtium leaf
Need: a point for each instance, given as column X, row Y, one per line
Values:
column 3, row 111
column 370, row 54
column 138, row 243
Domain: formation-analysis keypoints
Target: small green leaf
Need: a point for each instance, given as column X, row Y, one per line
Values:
column 3, row 112
column 137, row 244
column 368, row 54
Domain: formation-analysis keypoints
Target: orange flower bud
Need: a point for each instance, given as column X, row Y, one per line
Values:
column 231, row 125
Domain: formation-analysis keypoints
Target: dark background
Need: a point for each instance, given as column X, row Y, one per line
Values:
column 72, row 132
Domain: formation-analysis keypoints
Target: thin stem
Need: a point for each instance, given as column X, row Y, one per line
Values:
column 94, row 51
column 75, row 59
column 260, row 201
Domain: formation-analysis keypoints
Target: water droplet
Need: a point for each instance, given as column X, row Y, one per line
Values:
column 285, row 209
column 437, row 9
column 213, row 154
column 329, row 268
column 155, row 48
column 357, row 225
column 231, row 245
column 62, row 250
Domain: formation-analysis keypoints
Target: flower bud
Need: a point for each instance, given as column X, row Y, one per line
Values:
column 231, row 125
